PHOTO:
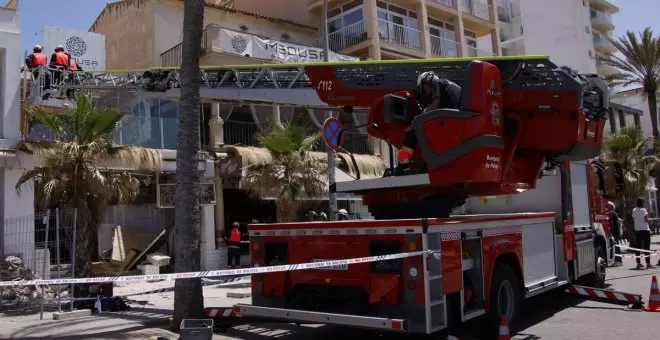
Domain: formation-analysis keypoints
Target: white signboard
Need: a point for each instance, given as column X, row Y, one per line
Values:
column 256, row 47
column 87, row 48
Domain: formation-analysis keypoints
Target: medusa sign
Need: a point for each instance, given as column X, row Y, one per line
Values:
column 78, row 48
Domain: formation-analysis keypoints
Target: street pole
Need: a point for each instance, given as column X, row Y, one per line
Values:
column 332, row 197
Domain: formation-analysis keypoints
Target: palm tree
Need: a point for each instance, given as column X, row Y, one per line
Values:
column 628, row 149
column 75, row 170
column 188, row 299
column 292, row 173
column 639, row 64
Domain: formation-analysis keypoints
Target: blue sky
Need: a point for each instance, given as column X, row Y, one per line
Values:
column 35, row 14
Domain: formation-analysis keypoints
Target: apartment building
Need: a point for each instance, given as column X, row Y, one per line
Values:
column 571, row 32
column 635, row 98
column 399, row 29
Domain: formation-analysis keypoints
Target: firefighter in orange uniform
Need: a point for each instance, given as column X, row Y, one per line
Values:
column 59, row 57
column 73, row 66
column 36, row 58
column 60, row 61
column 234, row 247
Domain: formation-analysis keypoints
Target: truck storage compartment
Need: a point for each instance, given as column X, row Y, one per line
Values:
column 473, row 276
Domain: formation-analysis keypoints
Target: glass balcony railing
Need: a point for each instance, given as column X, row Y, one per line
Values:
column 475, row 52
column 399, row 34
column 476, row 8
column 346, row 37
column 443, row 47
column 448, row 3
column 601, row 40
column 600, row 15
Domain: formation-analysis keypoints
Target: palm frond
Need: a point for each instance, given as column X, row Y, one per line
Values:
column 290, row 171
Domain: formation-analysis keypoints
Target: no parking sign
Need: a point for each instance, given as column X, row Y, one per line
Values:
column 332, row 133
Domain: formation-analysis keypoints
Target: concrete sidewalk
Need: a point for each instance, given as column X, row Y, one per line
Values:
column 149, row 317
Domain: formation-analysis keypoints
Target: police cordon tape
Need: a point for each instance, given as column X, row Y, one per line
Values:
column 214, row 273
column 220, row 283
column 649, row 252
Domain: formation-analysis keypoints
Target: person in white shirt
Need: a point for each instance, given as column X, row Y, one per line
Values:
column 642, row 233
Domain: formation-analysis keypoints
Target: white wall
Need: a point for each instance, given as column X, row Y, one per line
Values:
column 557, row 28
column 17, row 210
column 10, row 61
column 169, row 22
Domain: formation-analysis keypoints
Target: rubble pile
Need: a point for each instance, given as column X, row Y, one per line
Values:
column 13, row 269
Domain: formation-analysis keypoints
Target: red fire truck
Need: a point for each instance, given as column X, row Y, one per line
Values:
column 505, row 195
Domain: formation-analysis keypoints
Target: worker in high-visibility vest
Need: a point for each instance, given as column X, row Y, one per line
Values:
column 71, row 79
column 36, row 58
column 35, row 61
column 59, row 61
column 234, row 247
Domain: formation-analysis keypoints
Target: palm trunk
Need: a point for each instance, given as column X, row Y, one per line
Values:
column 285, row 211
column 653, row 112
column 188, row 299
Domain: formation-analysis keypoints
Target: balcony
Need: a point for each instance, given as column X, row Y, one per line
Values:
column 447, row 3
column 173, row 56
column 601, row 21
column 608, row 6
column 473, row 52
column 602, row 44
column 604, row 69
column 443, row 47
column 476, row 8
column 346, row 37
column 400, row 35
column 511, row 30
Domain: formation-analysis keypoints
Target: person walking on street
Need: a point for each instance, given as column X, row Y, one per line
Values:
column 642, row 234
column 615, row 230
column 234, row 247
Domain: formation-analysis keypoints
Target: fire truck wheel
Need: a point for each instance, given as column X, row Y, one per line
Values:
column 505, row 295
column 597, row 279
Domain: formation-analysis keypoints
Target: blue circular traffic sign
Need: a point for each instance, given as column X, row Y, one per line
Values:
column 332, row 135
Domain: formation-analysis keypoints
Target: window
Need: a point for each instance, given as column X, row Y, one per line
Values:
column 345, row 16
column 398, row 25
column 471, row 42
column 443, row 38
column 587, row 30
column 591, row 53
column 346, row 25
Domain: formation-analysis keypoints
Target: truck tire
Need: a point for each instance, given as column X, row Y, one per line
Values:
column 505, row 296
column 597, row 279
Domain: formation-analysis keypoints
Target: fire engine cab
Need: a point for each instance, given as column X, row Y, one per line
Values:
column 505, row 197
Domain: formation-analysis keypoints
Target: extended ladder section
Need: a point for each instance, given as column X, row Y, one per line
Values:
column 310, row 85
column 281, row 84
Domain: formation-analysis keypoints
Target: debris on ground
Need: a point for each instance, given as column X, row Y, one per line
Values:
column 12, row 268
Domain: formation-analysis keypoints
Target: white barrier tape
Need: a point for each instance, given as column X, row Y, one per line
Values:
column 214, row 273
column 220, row 283
column 633, row 256
column 639, row 250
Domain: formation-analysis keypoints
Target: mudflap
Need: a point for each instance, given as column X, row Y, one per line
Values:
column 633, row 301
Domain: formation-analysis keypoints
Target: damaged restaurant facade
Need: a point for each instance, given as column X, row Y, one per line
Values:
column 228, row 131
